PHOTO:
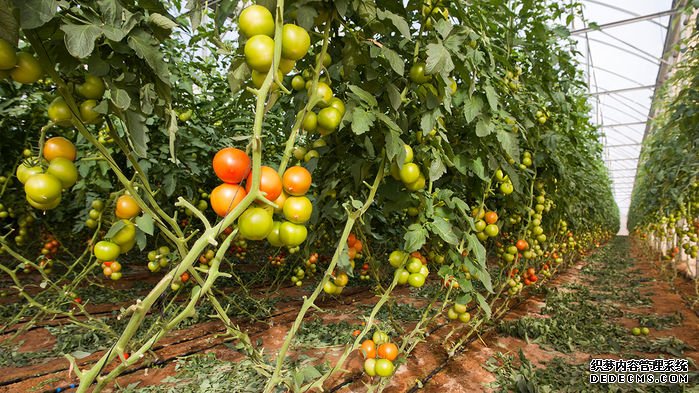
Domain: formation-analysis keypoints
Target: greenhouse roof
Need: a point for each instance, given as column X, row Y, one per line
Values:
column 622, row 49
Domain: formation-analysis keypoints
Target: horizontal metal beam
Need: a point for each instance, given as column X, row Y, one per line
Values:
column 624, row 90
column 624, row 145
column 625, row 21
column 635, row 123
column 622, row 159
column 620, row 9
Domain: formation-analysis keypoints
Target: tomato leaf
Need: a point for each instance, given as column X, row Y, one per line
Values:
column 363, row 95
column 361, row 120
column 394, row 96
column 145, row 223
column 9, row 28
column 509, row 143
column 484, row 127
column 492, row 97
column 397, row 21
column 415, row 238
column 116, row 227
column 146, row 47
column 483, row 304
column 443, row 229
column 35, row 13
column 161, row 21
column 138, row 132
column 343, row 263
column 472, row 108
column 80, row 39
column 437, row 168
column 394, row 59
column 141, row 240
column 476, row 166
column 438, row 59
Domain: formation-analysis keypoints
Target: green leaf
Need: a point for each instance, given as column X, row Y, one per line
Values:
column 394, row 145
column 509, row 143
column 441, row 227
column 120, row 98
column 238, row 75
column 394, row 96
column 415, row 238
column 475, row 246
column 437, row 168
column 438, row 59
column 343, row 263
column 361, row 120
column 145, row 223
column 397, row 21
column 115, row 228
column 80, row 39
column 141, row 240
column 35, row 13
column 394, row 59
column 9, row 28
column 363, row 95
column 161, row 21
column 476, row 166
column 148, row 98
column 483, row 304
column 472, row 108
column 492, row 97
column 484, row 127
column 146, row 47
column 138, row 132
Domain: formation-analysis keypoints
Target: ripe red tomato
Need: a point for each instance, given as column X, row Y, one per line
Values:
column 226, row 197
column 270, row 183
column 522, row 245
column 231, row 165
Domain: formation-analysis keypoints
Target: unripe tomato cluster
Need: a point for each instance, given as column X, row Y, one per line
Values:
column 637, row 331
column 239, row 248
column 92, row 90
column 514, row 284
column 298, row 276
column 123, row 239
column 43, row 187
column 506, row 186
column 22, row 67
column 511, row 79
column 205, row 259
column 410, row 269
column 277, row 260
column 311, row 263
column 159, row 258
column 409, row 172
column 379, row 354
column 336, row 284
column 24, row 222
column 485, row 223
column 364, row 273
column 179, row 281
column 459, row 311
column 307, row 154
column 95, row 213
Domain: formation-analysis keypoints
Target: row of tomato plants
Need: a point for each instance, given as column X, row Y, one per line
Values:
column 460, row 149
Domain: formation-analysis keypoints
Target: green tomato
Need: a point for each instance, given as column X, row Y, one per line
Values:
column 106, row 251
column 384, row 367
column 370, row 367
column 409, row 173
column 274, row 237
column 255, row 223
column 414, row 265
column 126, row 234
column 64, row 170
column 292, row 235
column 416, row 280
column 403, row 276
column 43, row 188
column 397, row 258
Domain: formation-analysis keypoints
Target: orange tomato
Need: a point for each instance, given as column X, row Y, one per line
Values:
column 231, row 165
column 351, row 239
column 522, row 245
column 296, row 180
column 368, row 348
column 388, row 351
column 270, row 183
column 491, row 217
column 358, row 246
column 126, row 207
column 352, row 252
column 226, row 197
column 59, row 146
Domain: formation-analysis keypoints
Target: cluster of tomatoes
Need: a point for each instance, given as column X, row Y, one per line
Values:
column 408, row 172
column 514, row 283
column 506, row 187
column 511, row 79
column 24, row 222
column 354, row 248
column 459, row 311
column 177, row 283
column 336, row 284
column 486, row 223
column 95, row 213
column 277, row 260
column 257, row 24
column 92, row 89
column 123, row 239
column 232, row 165
column 306, row 154
column 379, row 354
column 311, row 263
column 298, row 276
column 434, row 11
column 22, row 67
column 640, row 330
column 43, row 187
column 529, row 276
column 239, row 248
column 328, row 118
column 158, row 258
column 111, row 269
column 50, row 248
column 205, row 259
column 411, row 268
column 364, row 273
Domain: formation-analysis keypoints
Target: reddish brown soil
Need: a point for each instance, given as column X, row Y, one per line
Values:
column 463, row 372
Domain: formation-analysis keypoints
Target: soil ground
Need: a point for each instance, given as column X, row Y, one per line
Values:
column 633, row 292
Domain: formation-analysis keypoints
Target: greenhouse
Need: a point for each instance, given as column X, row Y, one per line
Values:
column 349, row 196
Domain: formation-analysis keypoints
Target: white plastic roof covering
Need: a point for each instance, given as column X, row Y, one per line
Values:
column 621, row 62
